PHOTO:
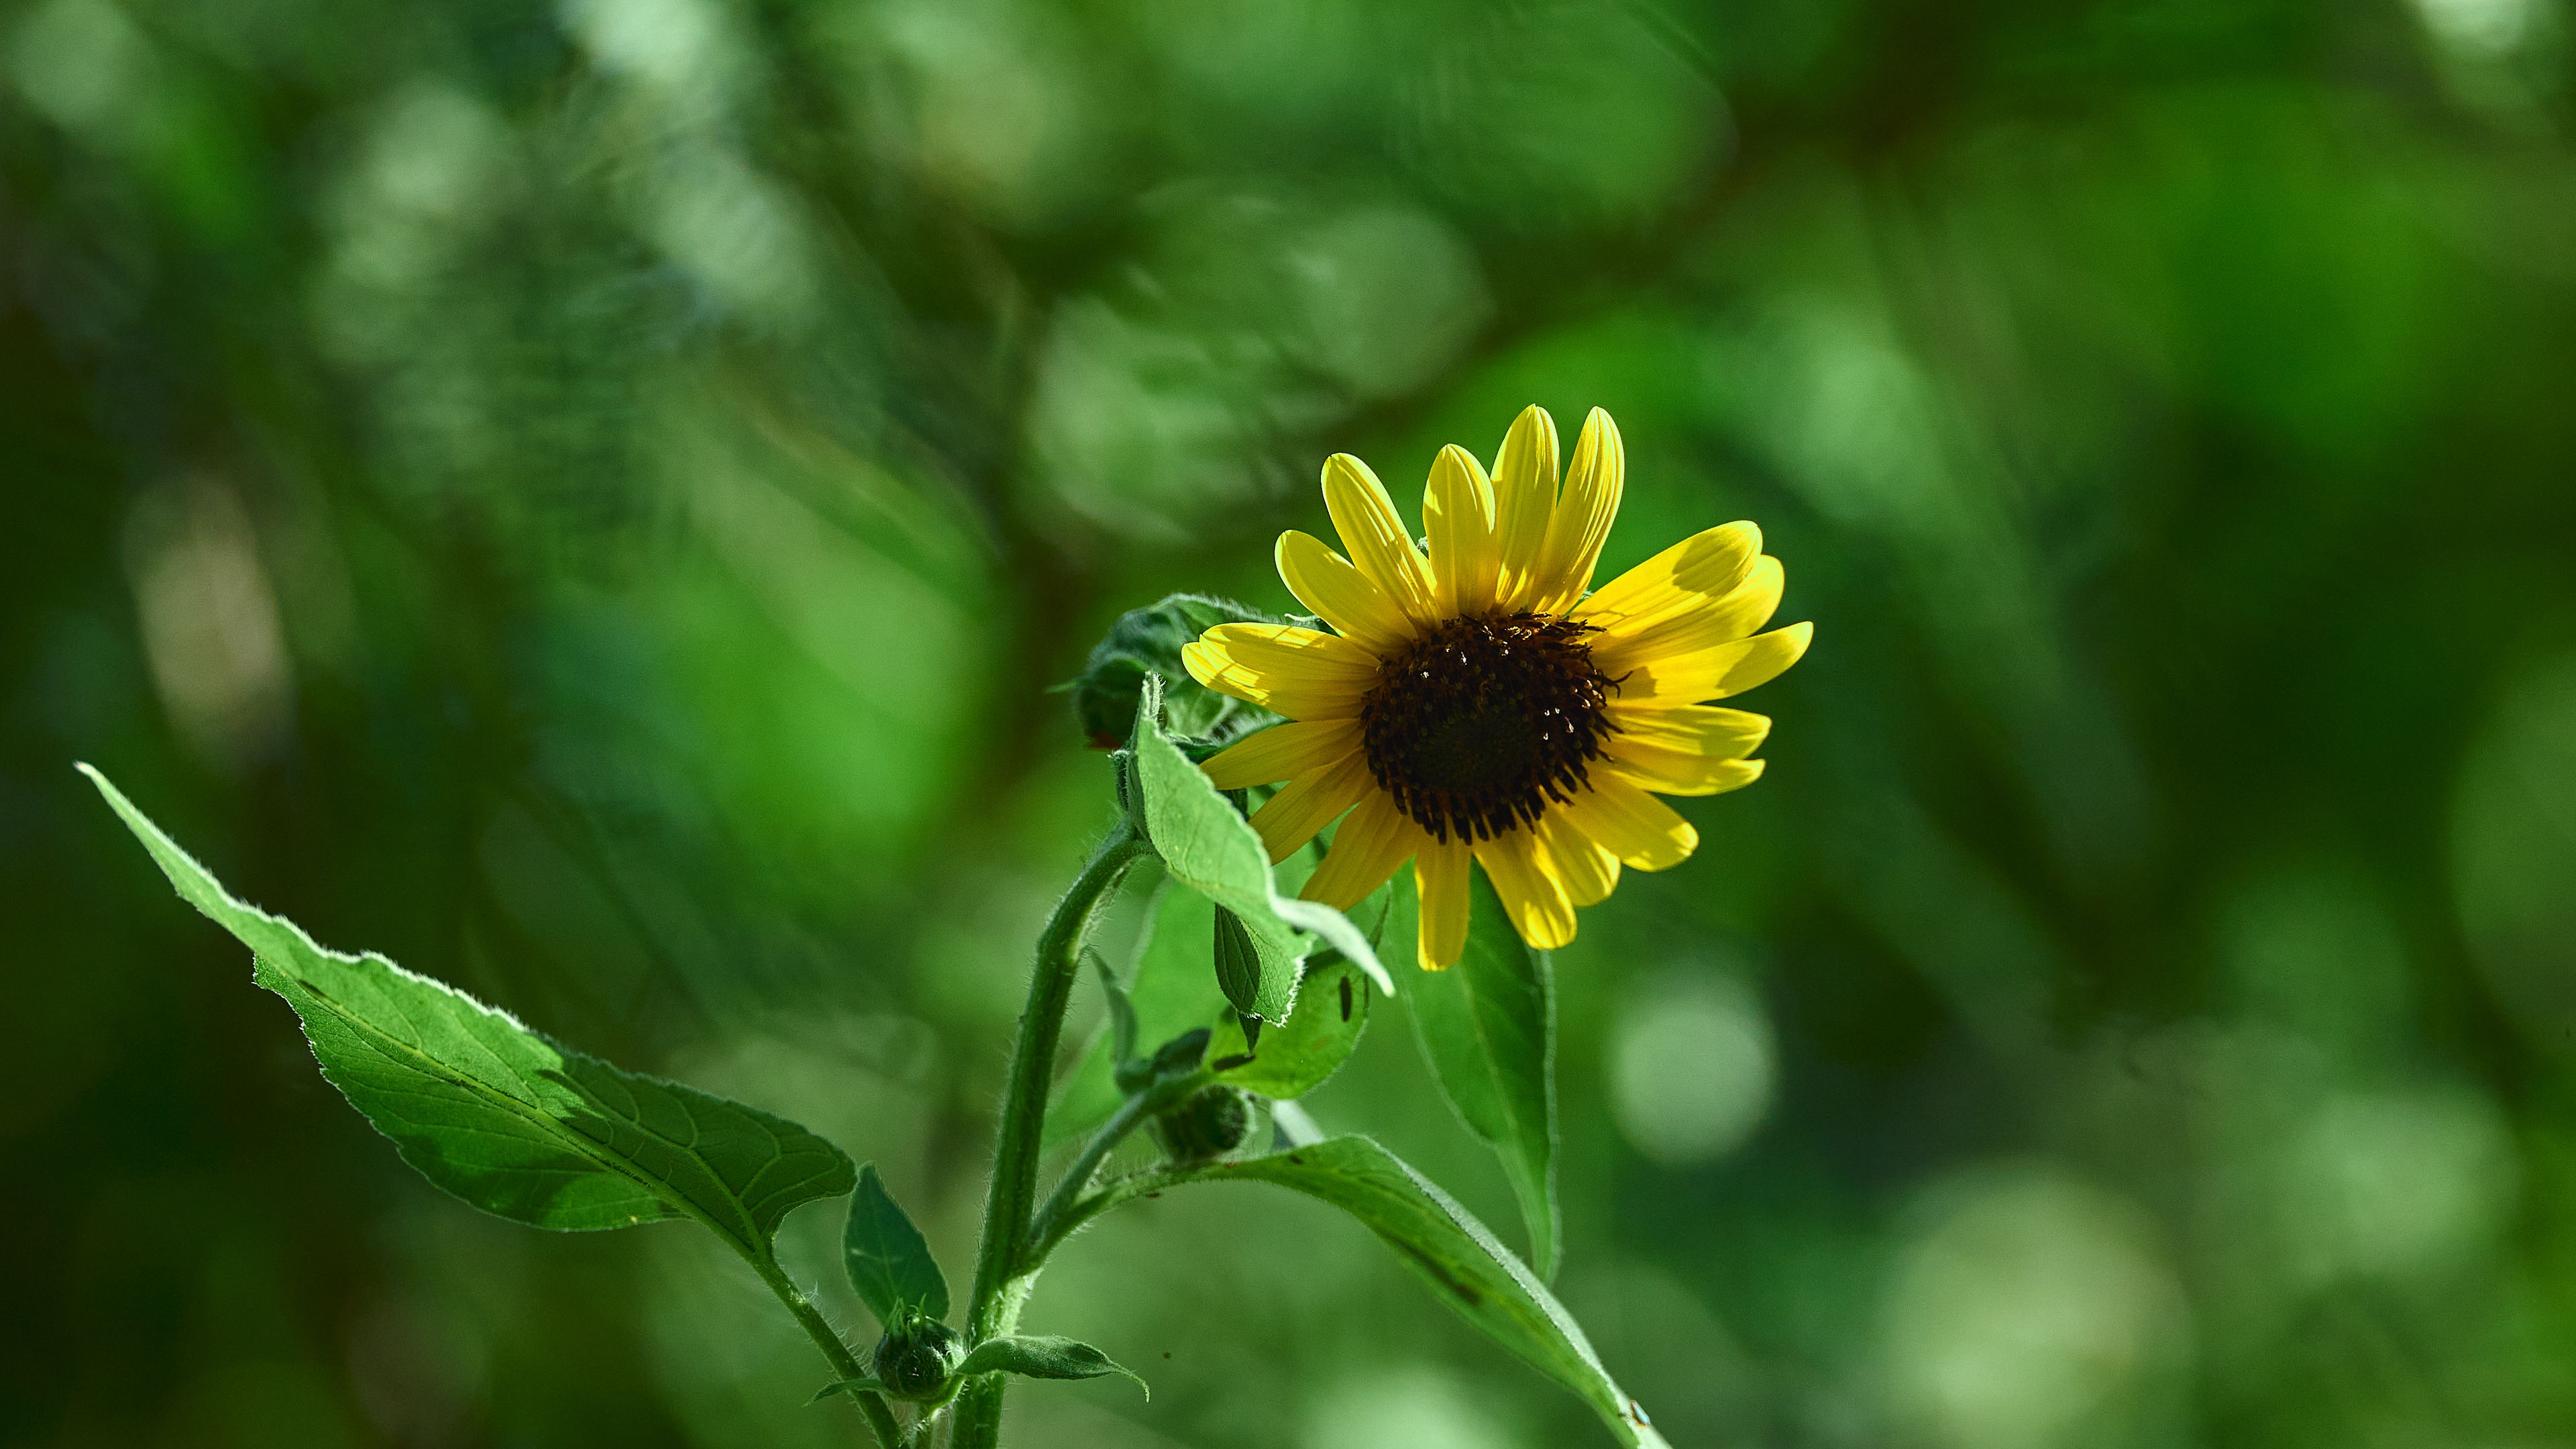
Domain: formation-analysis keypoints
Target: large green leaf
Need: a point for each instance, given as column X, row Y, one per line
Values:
column 1208, row 846
column 1487, row 1025
column 1462, row 1263
column 504, row 1118
column 887, row 1260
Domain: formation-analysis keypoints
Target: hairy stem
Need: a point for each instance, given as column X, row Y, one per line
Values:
column 844, row 1363
column 1002, row 1266
column 1131, row 1114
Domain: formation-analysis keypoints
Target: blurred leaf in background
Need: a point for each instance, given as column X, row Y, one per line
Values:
column 592, row 500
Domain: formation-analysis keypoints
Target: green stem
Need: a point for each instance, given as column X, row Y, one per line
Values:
column 1132, row 1114
column 1002, row 1269
column 844, row 1363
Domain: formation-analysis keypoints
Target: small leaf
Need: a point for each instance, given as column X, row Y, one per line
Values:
column 1238, row 965
column 1207, row 846
column 508, row 1120
column 1487, row 1026
column 1453, row 1254
column 846, row 1386
column 1122, row 1012
column 886, row 1258
column 1043, row 1356
column 1296, row 1056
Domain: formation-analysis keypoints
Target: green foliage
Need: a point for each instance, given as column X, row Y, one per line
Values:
column 1454, row 1255
column 1042, row 1356
column 1298, row 1055
column 1147, row 642
column 1240, row 972
column 887, row 1260
column 1207, row 846
column 504, row 1118
column 1487, row 1026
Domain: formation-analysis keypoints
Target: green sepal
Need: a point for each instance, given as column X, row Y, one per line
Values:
column 888, row 1261
column 504, row 1118
column 1044, row 1356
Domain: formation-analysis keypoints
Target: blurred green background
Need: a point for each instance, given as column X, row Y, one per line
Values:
column 590, row 500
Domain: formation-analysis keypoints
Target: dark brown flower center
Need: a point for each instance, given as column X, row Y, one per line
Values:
column 1476, row 725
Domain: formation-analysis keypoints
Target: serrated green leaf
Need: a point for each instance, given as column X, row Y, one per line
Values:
column 1487, row 1026
column 1209, row 847
column 1044, row 1356
column 1462, row 1262
column 887, row 1260
column 504, row 1118
column 1298, row 1055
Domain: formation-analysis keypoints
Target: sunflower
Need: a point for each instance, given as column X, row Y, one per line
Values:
column 1479, row 703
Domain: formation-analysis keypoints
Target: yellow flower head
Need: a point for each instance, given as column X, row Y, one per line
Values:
column 1481, row 703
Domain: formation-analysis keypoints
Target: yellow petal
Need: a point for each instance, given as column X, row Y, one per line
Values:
column 1694, row 627
column 1524, row 497
column 1281, row 751
column 1301, row 673
column 1310, row 802
column 1458, row 517
column 1706, row 565
column 1376, row 537
column 1629, row 823
column 1590, row 873
column 1339, row 594
column 1376, row 838
column 1670, row 773
column 1440, row 879
column 1714, row 673
column 1691, row 729
column 1532, row 895
column 1584, row 513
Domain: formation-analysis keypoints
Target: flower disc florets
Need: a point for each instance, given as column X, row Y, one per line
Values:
column 1476, row 725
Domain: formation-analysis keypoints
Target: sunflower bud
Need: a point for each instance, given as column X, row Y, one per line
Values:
column 1150, row 639
column 1213, row 1122
column 914, row 1359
